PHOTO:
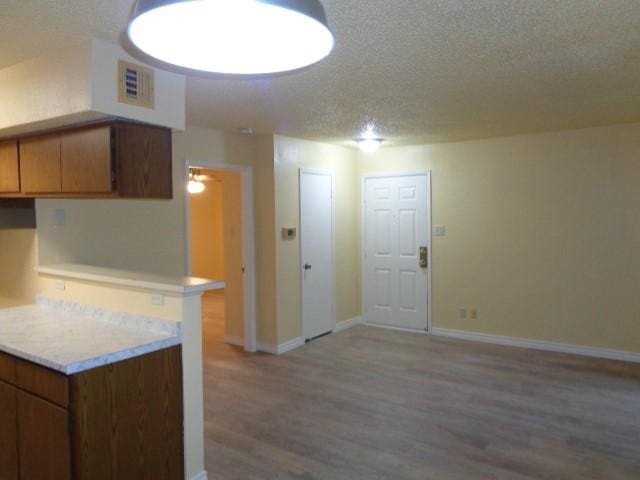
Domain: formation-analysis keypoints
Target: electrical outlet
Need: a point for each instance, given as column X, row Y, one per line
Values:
column 474, row 313
column 60, row 285
column 462, row 311
column 60, row 218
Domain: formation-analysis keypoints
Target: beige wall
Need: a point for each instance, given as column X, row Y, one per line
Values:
column 149, row 235
column 542, row 233
column 290, row 155
column 18, row 257
column 207, row 235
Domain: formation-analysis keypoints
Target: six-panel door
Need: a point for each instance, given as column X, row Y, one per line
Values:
column 396, row 227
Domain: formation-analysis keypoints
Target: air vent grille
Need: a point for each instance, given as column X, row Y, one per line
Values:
column 135, row 85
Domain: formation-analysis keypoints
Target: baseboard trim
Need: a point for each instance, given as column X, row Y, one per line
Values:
column 236, row 341
column 282, row 348
column 201, row 476
column 538, row 345
column 347, row 324
column 397, row 329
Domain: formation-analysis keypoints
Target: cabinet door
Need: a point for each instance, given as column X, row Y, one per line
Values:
column 43, row 439
column 143, row 155
column 40, row 164
column 86, row 161
column 8, row 433
column 9, row 170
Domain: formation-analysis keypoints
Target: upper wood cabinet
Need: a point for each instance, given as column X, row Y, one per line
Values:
column 40, row 164
column 109, row 160
column 85, row 161
column 9, row 167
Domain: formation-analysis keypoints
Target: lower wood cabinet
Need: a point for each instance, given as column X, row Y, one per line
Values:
column 118, row 422
column 8, row 432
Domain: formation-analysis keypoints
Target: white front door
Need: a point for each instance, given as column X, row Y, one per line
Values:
column 316, row 252
column 396, row 246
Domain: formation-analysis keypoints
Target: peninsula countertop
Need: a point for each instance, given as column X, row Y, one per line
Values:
column 70, row 337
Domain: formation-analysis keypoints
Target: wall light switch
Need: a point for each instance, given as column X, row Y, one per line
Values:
column 60, row 285
column 59, row 218
column 157, row 300
column 439, row 231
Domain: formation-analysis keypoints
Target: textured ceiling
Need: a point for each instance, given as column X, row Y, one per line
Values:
column 424, row 70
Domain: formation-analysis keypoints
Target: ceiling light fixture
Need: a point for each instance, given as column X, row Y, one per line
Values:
column 232, row 36
column 369, row 142
column 195, row 185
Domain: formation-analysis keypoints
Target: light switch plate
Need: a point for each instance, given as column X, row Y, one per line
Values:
column 60, row 285
column 439, row 231
column 60, row 218
column 157, row 300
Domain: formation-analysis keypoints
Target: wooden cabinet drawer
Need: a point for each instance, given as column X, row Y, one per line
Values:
column 45, row 383
column 7, row 368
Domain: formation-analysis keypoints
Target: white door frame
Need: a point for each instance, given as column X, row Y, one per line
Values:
column 363, row 232
column 333, row 242
column 248, row 243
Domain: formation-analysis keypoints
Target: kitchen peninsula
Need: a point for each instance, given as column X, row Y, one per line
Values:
column 95, row 375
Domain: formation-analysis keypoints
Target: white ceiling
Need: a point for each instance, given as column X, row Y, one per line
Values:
column 425, row 70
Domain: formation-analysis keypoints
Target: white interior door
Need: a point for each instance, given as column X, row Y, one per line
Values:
column 316, row 252
column 396, row 238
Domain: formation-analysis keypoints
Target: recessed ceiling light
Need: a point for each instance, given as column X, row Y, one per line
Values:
column 369, row 142
column 369, row 145
column 233, row 36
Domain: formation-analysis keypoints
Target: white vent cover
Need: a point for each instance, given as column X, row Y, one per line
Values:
column 135, row 85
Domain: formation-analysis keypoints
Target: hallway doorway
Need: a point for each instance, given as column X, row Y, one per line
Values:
column 220, row 246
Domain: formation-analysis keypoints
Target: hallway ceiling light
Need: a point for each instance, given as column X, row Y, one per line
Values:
column 232, row 36
column 195, row 185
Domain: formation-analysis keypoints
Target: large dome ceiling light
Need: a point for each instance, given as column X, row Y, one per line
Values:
column 232, row 36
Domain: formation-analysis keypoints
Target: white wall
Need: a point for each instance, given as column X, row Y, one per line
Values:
column 79, row 84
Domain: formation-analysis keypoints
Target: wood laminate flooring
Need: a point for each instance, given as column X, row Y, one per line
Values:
column 370, row 404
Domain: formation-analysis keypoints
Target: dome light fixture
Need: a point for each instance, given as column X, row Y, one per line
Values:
column 195, row 185
column 369, row 142
column 244, row 37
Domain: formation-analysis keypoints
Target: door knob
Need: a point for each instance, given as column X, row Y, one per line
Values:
column 307, row 266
